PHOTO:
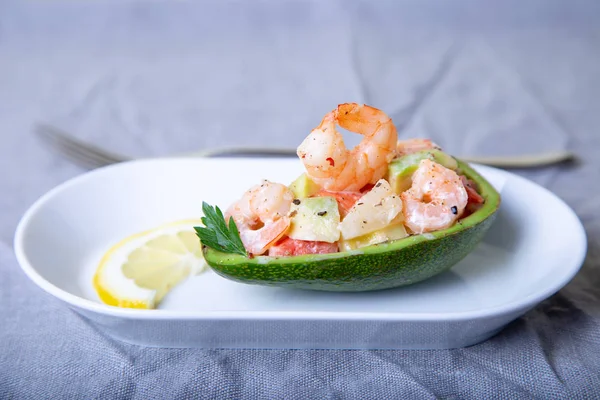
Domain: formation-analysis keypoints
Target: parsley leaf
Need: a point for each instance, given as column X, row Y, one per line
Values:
column 216, row 234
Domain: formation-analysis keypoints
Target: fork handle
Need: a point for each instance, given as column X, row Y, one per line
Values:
column 522, row 161
column 246, row 152
column 519, row 161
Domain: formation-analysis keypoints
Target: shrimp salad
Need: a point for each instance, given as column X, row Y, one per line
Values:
column 382, row 190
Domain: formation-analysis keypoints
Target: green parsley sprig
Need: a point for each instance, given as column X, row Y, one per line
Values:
column 216, row 234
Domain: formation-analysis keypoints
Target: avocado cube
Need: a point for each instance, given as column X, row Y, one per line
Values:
column 400, row 170
column 303, row 187
column 315, row 218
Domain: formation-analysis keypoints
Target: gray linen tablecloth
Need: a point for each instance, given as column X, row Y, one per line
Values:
column 153, row 78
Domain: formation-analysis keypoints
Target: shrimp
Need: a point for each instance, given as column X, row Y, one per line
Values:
column 436, row 199
column 332, row 166
column 409, row 146
column 261, row 215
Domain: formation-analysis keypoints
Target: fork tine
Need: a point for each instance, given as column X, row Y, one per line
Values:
column 83, row 153
column 79, row 155
column 82, row 158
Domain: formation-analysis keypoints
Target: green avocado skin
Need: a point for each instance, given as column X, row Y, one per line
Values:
column 383, row 266
column 362, row 272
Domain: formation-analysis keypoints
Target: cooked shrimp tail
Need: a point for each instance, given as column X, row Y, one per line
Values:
column 404, row 147
column 261, row 215
column 332, row 166
column 436, row 199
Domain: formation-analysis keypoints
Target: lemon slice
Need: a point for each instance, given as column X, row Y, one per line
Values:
column 141, row 269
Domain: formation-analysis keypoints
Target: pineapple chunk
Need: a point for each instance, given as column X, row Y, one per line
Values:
column 372, row 212
column 387, row 234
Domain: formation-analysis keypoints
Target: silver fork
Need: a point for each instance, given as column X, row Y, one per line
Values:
column 91, row 156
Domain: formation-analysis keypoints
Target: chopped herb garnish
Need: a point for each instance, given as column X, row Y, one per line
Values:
column 216, row 234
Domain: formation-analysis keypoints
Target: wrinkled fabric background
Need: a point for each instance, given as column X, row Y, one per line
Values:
column 155, row 77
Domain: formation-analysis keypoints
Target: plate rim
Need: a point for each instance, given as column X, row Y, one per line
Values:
column 520, row 304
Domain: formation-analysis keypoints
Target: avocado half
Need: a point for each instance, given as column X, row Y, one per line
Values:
column 381, row 266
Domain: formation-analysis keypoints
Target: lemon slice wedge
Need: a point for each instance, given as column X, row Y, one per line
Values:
column 141, row 269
